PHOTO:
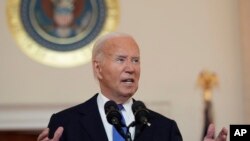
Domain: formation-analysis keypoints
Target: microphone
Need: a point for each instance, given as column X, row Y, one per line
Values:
column 113, row 115
column 141, row 113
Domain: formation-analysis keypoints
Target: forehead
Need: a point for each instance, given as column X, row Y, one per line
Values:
column 122, row 46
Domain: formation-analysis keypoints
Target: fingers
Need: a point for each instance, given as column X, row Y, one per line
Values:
column 58, row 134
column 211, row 134
column 210, row 131
column 222, row 135
column 44, row 135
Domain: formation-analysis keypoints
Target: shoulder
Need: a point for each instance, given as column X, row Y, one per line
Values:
column 161, row 120
column 166, row 127
column 73, row 111
column 65, row 117
column 155, row 115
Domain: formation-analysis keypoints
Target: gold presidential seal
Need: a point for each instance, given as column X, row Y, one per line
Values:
column 60, row 33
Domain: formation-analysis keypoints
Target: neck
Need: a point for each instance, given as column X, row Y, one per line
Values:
column 118, row 99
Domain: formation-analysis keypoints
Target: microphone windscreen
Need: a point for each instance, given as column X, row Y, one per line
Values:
column 138, row 105
column 110, row 105
column 140, row 111
column 112, row 113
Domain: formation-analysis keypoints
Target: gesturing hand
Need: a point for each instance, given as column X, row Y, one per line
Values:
column 45, row 133
column 210, row 136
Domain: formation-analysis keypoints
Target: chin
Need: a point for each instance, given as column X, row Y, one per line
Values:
column 129, row 94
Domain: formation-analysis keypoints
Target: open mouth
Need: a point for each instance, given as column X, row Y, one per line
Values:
column 129, row 80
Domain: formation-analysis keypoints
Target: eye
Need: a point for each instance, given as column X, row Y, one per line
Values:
column 120, row 60
column 135, row 60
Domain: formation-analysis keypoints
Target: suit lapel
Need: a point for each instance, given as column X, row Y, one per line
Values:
column 91, row 120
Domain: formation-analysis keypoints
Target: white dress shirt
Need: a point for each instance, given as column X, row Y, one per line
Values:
column 127, row 114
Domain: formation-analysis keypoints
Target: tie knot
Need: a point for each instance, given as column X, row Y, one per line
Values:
column 120, row 107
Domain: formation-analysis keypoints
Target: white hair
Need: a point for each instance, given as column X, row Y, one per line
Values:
column 97, row 48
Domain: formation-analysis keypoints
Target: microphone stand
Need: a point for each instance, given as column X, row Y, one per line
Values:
column 127, row 136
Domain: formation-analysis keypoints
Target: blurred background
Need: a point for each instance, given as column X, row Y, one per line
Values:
column 178, row 40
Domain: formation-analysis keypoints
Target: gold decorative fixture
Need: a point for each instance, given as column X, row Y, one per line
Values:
column 208, row 80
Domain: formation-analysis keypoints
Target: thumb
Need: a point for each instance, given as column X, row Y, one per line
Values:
column 210, row 131
column 58, row 134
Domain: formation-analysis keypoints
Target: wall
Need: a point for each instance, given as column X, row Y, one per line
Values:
column 178, row 39
column 245, row 40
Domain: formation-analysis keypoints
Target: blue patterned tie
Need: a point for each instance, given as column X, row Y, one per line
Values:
column 116, row 135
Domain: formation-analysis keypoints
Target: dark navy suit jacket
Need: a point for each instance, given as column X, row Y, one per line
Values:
column 83, row 123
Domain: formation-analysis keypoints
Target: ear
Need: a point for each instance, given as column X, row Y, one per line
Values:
column 97, row 69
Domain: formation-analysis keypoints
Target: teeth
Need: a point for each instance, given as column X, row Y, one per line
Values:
column 128, row 80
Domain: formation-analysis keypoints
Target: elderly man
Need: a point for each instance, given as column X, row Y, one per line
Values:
column 116, row 66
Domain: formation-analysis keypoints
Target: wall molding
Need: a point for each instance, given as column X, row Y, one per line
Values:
column 36, row 117
column 27, row 117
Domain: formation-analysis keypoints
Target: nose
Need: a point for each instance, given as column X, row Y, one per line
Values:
column 129, row 68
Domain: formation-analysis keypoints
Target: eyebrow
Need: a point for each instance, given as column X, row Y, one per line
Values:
column 120, row 56
column 125, row 56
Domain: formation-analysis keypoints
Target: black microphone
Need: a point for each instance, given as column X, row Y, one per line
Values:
column 141, row 113
column 113, row 115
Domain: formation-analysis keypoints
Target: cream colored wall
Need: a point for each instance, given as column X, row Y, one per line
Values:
column 245, row 38
column 178, row 39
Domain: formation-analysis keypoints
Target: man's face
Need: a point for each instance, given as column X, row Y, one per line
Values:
column 119, row 71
